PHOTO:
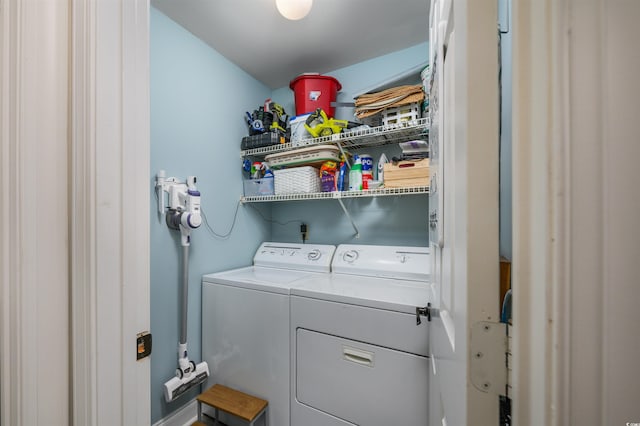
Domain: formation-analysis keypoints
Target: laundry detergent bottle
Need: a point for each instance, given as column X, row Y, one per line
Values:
column 355, row 175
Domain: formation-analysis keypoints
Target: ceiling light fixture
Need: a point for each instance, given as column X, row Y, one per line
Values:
column 294, row 9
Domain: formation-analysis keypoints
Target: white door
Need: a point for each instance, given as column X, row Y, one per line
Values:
column 464, row 212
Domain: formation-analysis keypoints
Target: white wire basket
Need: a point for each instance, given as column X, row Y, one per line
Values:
column 298, row 180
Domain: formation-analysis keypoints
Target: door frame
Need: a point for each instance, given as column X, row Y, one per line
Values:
column 74, row 222
column 110, row 196
column 538, row 153
column 34, row 273
column 575, row 208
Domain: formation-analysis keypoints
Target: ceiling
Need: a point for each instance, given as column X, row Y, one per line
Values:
column 335, row 34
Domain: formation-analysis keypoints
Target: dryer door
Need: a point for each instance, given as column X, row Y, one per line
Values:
column 360, row 383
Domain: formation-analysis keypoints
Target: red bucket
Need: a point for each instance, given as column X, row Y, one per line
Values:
column 313, row 91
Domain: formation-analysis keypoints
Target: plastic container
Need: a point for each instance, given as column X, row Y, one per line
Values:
column 257, row 187
column 381, row 162
column 401, row 114
column 367, row 170
column 262, row 140
column 355, row 175
column 298, row 131
column 313, row 91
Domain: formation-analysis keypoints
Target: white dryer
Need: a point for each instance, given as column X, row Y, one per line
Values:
column 359, row 356
column 245, row 321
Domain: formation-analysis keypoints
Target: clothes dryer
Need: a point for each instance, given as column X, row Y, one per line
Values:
column 359, row 356
column 246, row 317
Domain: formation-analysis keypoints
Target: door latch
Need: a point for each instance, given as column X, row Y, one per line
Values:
column 143, row 345
column 423, row 312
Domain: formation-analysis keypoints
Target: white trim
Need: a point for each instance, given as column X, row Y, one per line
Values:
column 110, row 193
column 575, row 251
column 9, row 384
column 185, row 416
column 135, row 192
column 533, row 201
column 560, row 194
column 34, row 216
column 82, row 183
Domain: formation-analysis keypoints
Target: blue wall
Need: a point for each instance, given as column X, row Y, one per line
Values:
column 197, row 100
column 365, row 76
column 196, row 128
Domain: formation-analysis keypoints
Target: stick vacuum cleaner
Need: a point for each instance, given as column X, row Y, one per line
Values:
column 183, row 214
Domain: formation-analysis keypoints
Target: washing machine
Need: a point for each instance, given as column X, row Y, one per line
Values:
column 359, row 355
column 246, row 319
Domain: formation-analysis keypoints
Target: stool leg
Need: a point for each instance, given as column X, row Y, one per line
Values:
column 199, row 411
column 215, row 421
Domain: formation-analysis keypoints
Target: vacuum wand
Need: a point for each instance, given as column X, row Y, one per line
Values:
column 183, row 215
column 185, row 294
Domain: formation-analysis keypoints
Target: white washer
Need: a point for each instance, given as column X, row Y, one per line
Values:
column 358, row 355
column 245, row 321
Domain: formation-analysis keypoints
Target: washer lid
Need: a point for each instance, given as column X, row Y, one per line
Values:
column 258, row 278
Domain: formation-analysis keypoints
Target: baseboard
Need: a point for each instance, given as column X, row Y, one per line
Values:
column 183, row 417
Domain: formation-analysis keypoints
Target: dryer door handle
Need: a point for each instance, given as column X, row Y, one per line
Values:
column 358, row 356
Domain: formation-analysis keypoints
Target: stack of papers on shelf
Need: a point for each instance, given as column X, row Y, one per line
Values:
column 374, row 103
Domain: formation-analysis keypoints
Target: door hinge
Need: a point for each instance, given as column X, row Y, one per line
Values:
column 489, row 348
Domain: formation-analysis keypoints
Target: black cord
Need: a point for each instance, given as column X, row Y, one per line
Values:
column 275, row 221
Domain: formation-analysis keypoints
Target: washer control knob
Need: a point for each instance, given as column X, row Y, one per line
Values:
column 314, row 254
column 350, row 256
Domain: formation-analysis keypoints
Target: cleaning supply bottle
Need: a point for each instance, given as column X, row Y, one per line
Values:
column 355, row 175
column 342, row 175
column 381, row 162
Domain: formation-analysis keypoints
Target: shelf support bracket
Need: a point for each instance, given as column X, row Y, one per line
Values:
column 346, row 212
column 344, row 154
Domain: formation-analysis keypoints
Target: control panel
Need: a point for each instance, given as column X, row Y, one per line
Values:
column 311, row 257
column 410, row 263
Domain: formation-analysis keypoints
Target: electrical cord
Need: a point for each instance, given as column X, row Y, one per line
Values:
column 235, row 218
column 275, row 221
column 214, row 233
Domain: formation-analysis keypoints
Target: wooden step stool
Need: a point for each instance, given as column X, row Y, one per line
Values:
column 233, row 402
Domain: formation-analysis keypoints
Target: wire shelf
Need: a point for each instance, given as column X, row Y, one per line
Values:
column 367, row 193
column 355, row 139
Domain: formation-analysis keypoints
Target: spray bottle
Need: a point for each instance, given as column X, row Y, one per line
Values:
column 355, row 175
column 381, row 161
